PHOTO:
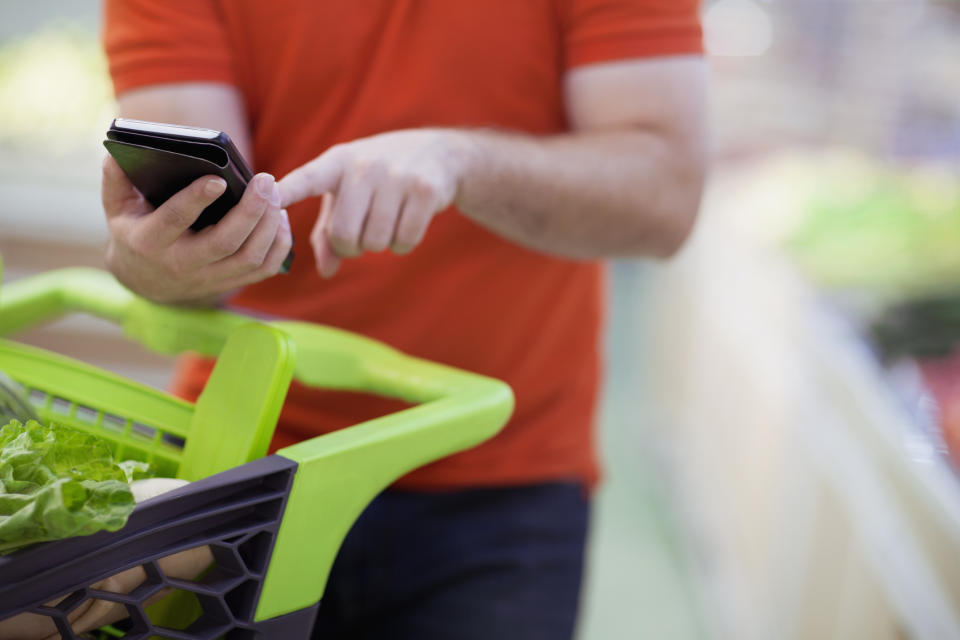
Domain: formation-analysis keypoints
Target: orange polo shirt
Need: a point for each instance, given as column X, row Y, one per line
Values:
column 314, row 73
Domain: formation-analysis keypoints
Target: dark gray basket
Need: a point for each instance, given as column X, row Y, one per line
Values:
column 237, row 513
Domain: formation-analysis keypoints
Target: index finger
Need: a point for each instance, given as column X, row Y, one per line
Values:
column 315, row 178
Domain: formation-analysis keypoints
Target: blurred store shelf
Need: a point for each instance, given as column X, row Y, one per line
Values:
column 815, row 506
column 899, row 491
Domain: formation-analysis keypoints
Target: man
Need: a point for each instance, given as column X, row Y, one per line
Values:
column 475, row 159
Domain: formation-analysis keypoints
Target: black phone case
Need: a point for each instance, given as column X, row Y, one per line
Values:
column 158, row 173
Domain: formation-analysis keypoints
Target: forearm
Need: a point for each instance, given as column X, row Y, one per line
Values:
column 583, row 195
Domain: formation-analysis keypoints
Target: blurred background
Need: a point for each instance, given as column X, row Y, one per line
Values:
column 782, row 413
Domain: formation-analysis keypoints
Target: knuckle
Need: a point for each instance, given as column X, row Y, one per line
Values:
column 422, row 187
column 252, row 204
column 140, row 244
column 251, row 207
column 361, row 167
column 395, row 174
column 369, row 168
column 252, row 256
column 137, row 244
column 226, row 245
column 177, row 215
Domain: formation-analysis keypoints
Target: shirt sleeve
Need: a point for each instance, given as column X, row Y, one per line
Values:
column 150, row 42
column 607, row 30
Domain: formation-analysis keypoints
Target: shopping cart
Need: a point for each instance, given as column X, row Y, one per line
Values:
column 274, row 523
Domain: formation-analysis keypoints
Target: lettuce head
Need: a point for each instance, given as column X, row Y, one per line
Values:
column 57, row 482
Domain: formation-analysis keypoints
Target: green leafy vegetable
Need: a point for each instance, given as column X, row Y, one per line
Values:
column 893, row 234
column 135, row 470
column 57, row 482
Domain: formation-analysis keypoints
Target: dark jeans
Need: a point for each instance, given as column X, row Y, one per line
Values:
column 490, row 564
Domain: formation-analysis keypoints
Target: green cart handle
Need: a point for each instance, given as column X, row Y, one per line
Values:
column 338, row 473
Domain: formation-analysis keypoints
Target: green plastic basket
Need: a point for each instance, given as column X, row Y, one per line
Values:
column 234, row 418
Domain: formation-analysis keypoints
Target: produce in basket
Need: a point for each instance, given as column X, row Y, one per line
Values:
column 94, row 614
column 70, row 477
column 57, row 482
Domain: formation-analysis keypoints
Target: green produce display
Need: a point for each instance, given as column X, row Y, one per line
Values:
column 890, row 237
column 57, row 482
column 892, row 234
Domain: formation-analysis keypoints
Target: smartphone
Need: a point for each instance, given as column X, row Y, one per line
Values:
column 161, row 159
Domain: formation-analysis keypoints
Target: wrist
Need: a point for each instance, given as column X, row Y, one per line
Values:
column 469, row 158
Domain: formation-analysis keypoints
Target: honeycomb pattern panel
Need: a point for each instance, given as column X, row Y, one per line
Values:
column 254, row 552
column 220, row 600
column 237, row 532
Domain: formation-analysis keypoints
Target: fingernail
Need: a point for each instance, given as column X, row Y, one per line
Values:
column 215, row 187
column 264, row 186
column 275, row 195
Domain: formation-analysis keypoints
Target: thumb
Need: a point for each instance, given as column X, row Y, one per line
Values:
column 328, row 262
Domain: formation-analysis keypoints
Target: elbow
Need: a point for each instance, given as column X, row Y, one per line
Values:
column 677, row 226
column 674, row 212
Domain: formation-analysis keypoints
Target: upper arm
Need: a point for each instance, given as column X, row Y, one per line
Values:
column 172, row 61
column 666, row 96
column 635, row 64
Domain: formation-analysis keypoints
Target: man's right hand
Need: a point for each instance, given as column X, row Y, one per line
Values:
column 154, row 253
